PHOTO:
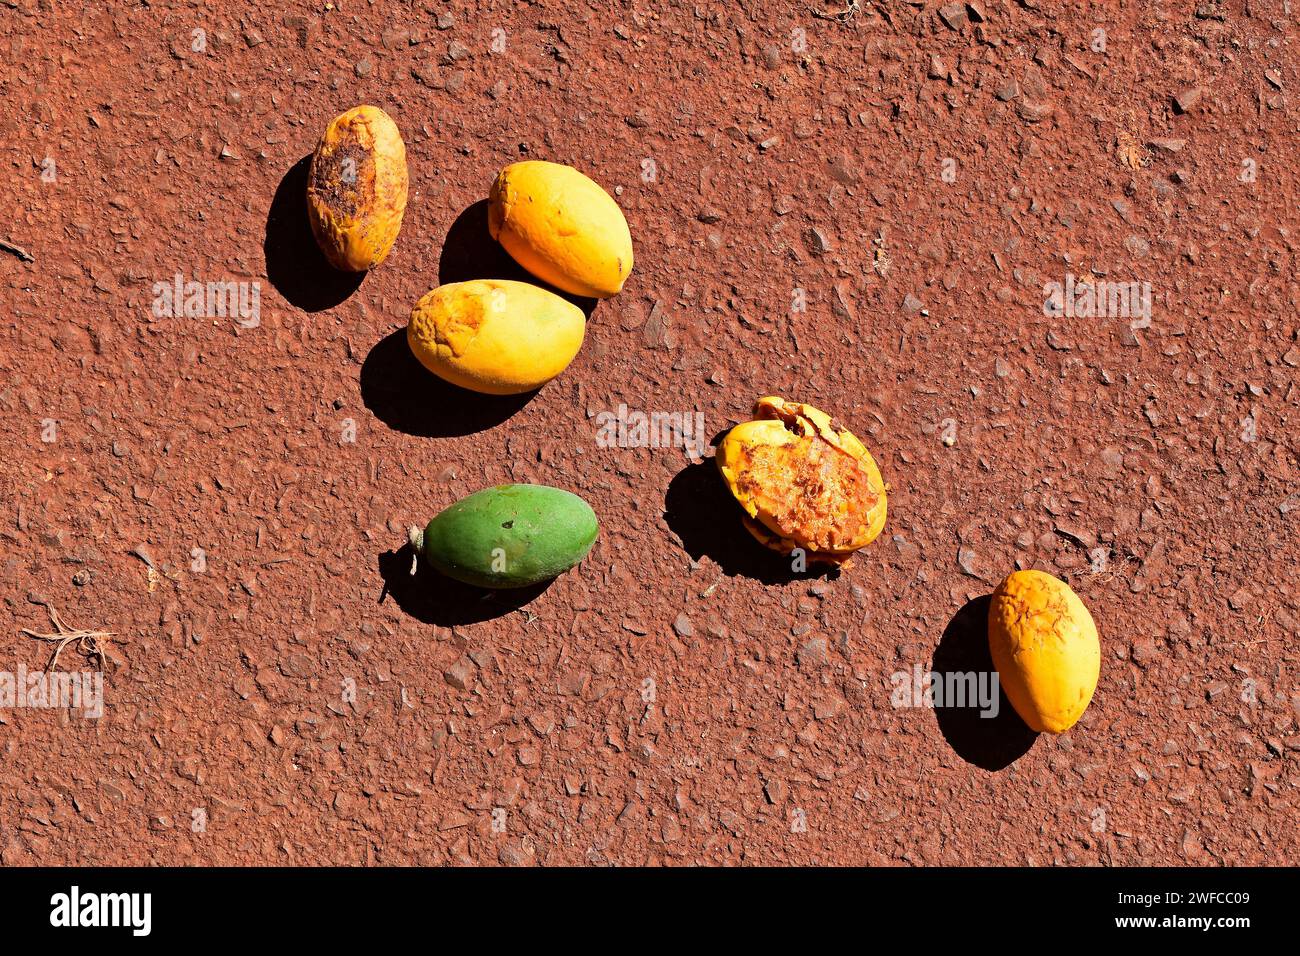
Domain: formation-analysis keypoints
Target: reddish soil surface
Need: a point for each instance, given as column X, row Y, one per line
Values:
column 1153, row 468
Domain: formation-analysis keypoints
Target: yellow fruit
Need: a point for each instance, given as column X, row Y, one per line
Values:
column 561, row 227
column 356, row 189
column 1044, row 645
column 495, row 336
column 802, row 483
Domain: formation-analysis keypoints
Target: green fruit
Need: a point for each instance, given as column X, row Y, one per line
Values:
column 509, row 536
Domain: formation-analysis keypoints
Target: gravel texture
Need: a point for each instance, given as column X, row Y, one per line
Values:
column 860, row 210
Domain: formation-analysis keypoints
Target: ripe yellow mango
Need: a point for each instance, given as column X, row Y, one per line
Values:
column 803, row 483
column 1044, row 645
column 356, row 189
column 562, row 227
column 494, row 335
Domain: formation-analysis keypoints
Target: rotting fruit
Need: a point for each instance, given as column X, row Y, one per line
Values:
column 495, row 336
column 1044, row 645
column 356, row 189
column 509, row 536
column 562, row 227
column 802, row 482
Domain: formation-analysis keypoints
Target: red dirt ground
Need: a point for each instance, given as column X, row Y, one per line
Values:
column 1155, row 469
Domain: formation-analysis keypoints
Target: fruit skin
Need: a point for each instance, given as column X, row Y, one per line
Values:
column 562, row 227
column 356, row 189
column 780, row 423
column 1044, row 645
column 541, row 532
column 495, row 336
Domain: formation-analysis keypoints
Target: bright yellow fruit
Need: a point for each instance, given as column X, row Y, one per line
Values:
column 802, row 483
column 562, row 227
column 356, row 189
column 1044, row 645
column 495, row 336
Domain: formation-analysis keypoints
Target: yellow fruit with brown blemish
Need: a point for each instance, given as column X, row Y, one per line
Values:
column 1044, row 645
column 562, row 227
column 494, row 335
column 356, row 189
column 802, row 482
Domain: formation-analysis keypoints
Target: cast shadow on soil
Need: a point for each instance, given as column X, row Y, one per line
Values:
column 470, row 252
column 294, row 263
column 992, row 743
column 700, row 510
column 434, row 598
column 408, row 398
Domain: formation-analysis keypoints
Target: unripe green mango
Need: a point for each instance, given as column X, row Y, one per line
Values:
column 509, row 536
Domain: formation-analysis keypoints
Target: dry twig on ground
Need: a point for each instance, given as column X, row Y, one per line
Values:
column 19, row 251
column 87, row 642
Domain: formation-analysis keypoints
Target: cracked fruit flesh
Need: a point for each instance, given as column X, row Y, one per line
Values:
column 1044, row 645
column 356, row 189
column 510, row 536
column 495, row 336
column 802, row 482
column 562, row 227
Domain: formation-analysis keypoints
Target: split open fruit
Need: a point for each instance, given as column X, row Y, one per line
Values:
column 802, row 482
